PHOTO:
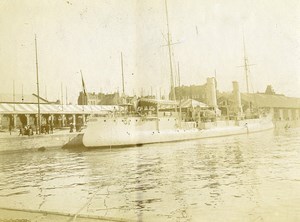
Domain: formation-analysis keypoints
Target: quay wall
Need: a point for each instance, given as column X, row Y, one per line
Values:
column 40, row 142
column 279, row 124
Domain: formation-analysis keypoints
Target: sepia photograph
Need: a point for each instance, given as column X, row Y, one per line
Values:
column 149, row 110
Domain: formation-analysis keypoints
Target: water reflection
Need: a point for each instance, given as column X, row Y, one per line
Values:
column 234, row 177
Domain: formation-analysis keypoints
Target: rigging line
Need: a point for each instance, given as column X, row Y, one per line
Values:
column 163, row 35
column 173, row 43
column 175, row 70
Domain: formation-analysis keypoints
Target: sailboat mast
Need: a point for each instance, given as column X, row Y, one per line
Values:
column 66, row 95
column 173, row 96
column 62, row 95
column 37, row 88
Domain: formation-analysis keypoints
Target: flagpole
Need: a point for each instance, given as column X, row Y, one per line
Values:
column 84, row 94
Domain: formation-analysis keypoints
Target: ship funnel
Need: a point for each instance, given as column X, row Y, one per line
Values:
column 237, row 103
column 211, row 93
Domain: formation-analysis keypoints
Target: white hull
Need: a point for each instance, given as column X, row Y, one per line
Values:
column 120, row 131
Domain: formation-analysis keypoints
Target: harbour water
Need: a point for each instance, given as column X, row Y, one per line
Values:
column 253, row 177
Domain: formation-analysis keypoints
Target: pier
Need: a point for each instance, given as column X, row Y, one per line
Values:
column 65, row 125
column 16, row 115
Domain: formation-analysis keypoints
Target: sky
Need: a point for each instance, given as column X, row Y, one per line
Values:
column 89, row 36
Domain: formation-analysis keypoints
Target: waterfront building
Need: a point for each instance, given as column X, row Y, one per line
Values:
column 281, row 106
column 89, row 98
column 206, row 93
column 195, row 92
column 99, row 98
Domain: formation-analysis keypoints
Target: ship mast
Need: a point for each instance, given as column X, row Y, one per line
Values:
column 123, row 86
column 180, row 113
column 62, row 96
column 38, row 89
column 66, row 95
column 246, row 65
column 246, row 68
column 173, row 96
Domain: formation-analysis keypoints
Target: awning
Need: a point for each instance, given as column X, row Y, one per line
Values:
column 9, row 108
column 187, row 103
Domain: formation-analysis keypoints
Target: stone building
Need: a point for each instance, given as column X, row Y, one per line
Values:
column 99, row 99
column 195, row 92
column 89, row 98
column 281, row 107
column 105, row 99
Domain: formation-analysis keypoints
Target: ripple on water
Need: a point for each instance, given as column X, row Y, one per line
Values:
column 208, row 179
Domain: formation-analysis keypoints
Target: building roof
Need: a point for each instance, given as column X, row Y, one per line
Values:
column 146, row 101
column 9, row 108
column 273, row 101
column 162, row 104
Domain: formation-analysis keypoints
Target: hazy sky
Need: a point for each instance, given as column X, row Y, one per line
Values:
column 90, row 35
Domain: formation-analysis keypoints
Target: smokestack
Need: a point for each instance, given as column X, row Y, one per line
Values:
column 211, row 93
column 237, row 103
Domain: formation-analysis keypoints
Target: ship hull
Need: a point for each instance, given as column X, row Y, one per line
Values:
column 132, row 131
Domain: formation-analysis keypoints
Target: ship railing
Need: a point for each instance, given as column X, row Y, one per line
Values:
column 188, row 125
column 127, row 114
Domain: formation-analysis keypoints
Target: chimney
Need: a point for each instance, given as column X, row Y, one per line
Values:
column 237, row 103
column 211, row 93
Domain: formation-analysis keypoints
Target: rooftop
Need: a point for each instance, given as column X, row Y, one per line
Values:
column 267, row 100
